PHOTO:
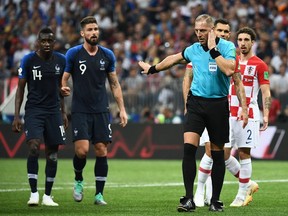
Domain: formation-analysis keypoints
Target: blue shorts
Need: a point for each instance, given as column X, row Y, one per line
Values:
column 46, row 127
column 212, row 113
column 94, row 127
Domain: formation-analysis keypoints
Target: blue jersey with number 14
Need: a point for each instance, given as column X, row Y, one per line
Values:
column 43, row 81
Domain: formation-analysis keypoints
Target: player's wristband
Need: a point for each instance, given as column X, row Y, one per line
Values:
column 214, row 53
column 152, row 70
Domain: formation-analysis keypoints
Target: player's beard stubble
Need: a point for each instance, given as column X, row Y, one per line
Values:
column 92, row 41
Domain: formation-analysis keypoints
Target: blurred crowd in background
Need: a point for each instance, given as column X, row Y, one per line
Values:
column 145, row 30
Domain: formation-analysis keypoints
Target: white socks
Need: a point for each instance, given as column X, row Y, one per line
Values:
column 204, row 172
column 244, row 177
column 233, row 166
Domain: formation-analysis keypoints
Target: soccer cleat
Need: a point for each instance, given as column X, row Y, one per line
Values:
column 237, row 202
column 78, row 191
column 253, row 188
column 34, row 199
column 48, row 201
column 216, row 206
column 99, row 200
column 186, row 205
column 199, row 199
column 247, row 200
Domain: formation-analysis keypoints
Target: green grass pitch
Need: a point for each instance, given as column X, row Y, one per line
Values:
column 137, row 187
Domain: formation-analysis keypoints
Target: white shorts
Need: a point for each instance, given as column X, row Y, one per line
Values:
column 204, row 138
column 247, row 137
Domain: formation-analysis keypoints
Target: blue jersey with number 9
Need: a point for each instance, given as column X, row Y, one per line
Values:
column 89, row 74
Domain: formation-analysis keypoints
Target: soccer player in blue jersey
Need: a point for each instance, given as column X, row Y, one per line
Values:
column 90, row 65
column 45, row 117
column 213, row 61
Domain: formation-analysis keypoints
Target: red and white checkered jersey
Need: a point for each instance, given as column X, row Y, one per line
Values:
column 254, row 73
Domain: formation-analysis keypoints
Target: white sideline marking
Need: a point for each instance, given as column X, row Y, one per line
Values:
column 116, row 185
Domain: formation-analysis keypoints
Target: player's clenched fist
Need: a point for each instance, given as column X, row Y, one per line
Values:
column 65, row 91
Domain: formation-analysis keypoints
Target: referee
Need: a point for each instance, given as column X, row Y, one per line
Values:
column 213, row 61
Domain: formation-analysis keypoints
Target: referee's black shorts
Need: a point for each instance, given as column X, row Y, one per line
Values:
column 212, row 113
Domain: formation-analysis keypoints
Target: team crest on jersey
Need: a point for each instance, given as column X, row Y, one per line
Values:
column 75, row 131
column 102, row 64
column 57, row 69
column 250, row 69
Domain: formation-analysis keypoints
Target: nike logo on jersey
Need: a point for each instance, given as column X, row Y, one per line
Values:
column 80, row 62
column 35, row 67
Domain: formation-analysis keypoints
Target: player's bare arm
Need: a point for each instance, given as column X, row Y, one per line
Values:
column 266, row 97
column 17, row 123
column 65, row 89
column 63, row 112
column 187, row 80
column 240, row 92
column 117, row 94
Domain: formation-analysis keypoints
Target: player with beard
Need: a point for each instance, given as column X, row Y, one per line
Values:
column 255, row 78
column 90, row 65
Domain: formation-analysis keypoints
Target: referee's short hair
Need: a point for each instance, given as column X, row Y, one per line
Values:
column 207, row 18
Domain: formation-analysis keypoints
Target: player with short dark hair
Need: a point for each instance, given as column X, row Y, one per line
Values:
column 42, row 71
column 90, row 65
column 254, row 72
